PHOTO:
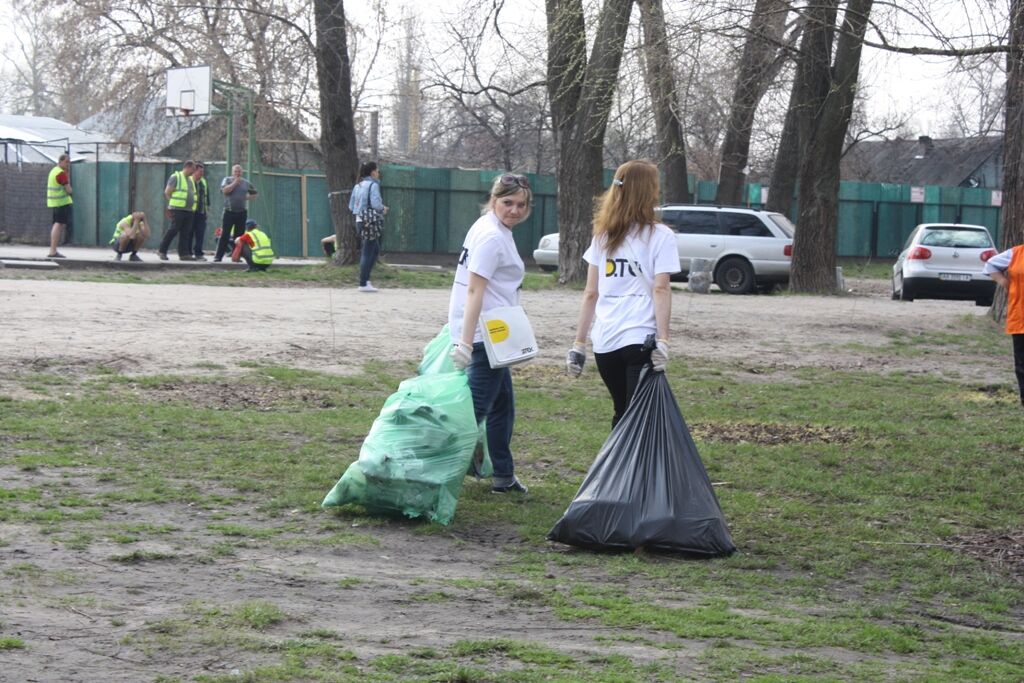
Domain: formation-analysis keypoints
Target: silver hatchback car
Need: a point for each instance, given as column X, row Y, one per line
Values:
column 945, row 261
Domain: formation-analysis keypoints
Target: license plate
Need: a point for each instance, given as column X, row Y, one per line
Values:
column 955, row 277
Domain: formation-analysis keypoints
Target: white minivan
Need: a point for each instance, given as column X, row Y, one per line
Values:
column 746, row 249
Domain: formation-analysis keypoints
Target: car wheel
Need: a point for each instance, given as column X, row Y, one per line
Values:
column 735, row 276
column 906, row 293
column 983, row 302
column 895, row 296
column 549, row 269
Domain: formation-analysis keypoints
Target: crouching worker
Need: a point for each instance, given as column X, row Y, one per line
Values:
column 254, row 247
column 330, row 245
column 130, row 234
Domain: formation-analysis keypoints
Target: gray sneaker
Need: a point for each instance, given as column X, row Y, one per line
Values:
column 515, row 487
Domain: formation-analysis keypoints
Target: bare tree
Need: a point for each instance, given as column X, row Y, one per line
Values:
column 29, row 85
column 826, row 87
column 1012, row 232
column 762, row 58
column 491, row 91
column 337, row 131
column 581, row 91
column 976, row 98
column 661, row 83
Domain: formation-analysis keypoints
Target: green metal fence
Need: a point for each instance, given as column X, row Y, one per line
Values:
column 431, row 208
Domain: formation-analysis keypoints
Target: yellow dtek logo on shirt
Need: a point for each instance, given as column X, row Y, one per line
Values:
column 619, row 267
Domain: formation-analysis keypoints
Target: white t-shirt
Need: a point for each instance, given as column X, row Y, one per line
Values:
column 625, row 306
column 489, row 251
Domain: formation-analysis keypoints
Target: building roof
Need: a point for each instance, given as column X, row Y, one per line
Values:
column 40, row 139
column 948, row 162
column 147, row 125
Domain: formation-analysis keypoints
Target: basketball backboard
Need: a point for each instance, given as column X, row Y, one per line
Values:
column 189, row 91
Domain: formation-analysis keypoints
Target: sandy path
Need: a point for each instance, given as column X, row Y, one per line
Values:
column 172, row 328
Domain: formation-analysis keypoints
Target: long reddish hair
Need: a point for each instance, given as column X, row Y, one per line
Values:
column 629, row 202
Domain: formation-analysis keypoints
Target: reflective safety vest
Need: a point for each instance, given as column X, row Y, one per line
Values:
column 1015, row 293
column 261, row 252
column 179, row 197
column 56, row 195
column 121, row 226
column 205, row 208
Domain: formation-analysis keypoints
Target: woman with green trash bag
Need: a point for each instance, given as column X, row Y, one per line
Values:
column 489, row 274
column 627, row 296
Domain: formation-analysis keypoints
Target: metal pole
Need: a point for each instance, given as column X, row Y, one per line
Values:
column 131, row 177
column 250, row 119
column 229, row 157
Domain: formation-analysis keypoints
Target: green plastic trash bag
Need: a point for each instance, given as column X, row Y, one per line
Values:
column 437, row 354
column 417, row 453
column 437, row 359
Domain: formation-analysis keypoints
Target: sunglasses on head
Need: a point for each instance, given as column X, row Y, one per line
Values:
column 513, row 180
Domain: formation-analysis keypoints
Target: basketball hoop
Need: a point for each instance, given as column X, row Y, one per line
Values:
column 189, row 90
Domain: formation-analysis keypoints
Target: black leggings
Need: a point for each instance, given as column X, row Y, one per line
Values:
column 620, row 370
column 1018, row 362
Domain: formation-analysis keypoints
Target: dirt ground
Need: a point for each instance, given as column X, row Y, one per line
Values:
column 78, row 632
column 174, row 328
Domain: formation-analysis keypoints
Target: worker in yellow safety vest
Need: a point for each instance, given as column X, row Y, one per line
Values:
column 58, row 198
column 254, row 247
column 180, row 192
column 130, row 233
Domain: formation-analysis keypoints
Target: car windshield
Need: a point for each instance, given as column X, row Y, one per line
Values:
column 958, row 238
column 784, row 224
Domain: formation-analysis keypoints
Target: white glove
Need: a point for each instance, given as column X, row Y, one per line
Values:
column 659, row 356
column 575, row 359
column 462, row 355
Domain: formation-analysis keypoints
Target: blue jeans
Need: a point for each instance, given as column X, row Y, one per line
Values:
column 198, row 233
column 493, row 399
column 368, row 257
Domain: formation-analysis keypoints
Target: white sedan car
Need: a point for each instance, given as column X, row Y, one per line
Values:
column 945, row 261
column 546, row 253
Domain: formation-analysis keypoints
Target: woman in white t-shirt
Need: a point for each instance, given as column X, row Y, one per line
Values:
column 489, row 274
column 628, row 296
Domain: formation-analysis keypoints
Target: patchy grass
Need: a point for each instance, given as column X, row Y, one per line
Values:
column 324, row 275
column 869, row 511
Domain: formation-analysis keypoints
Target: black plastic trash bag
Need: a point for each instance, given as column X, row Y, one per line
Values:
column 648, row 487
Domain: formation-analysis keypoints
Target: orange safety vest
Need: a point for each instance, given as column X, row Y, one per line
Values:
column 1015, row 292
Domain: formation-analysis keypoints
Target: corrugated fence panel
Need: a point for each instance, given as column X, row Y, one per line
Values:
column 84, row 184
column 281, row 217
column 857, row 204
column 318, row 214
column 400, row 197
column 432, row 208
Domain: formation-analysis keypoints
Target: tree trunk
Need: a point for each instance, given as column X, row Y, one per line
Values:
column 581, row 93
column 825, row 105
column 782, row 184
column 758, row 66
column 661, row 83
column 337, row 128
column 1011, row 230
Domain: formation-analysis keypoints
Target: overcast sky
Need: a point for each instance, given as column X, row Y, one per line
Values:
column 896, row 83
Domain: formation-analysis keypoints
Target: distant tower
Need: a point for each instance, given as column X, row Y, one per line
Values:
column 409, row 104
